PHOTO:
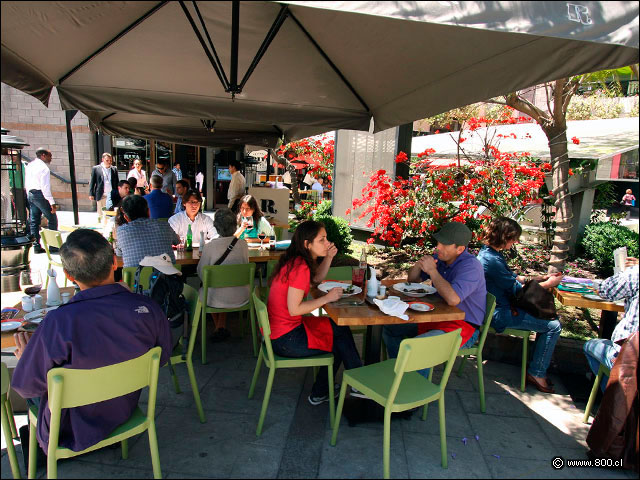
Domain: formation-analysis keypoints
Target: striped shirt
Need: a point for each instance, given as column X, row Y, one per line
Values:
column 144, row 237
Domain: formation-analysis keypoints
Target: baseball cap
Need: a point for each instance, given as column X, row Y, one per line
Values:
column 162, row 263
column 454, row 233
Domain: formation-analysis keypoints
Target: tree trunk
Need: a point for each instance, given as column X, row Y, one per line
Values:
column 557, row 136
column 294, row 184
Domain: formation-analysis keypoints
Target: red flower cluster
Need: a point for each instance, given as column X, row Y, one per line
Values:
column 575, row 140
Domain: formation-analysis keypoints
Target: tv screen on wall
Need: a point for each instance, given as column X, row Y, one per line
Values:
column 222, row 173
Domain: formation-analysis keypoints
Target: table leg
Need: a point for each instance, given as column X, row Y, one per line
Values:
column 608, row 321
column 374, row 342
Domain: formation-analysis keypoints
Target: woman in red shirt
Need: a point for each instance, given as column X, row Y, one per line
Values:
column 295, row 335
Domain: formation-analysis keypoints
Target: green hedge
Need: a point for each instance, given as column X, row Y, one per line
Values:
column 600, row 240
column 338, row 231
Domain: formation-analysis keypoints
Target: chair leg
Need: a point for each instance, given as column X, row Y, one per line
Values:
column 336, row 421
column 11, row 451
column 124, row 447
column 463, row 359
column 33, row 450
column 425, row 409
column 254, row 334
column 256, row 374
column 483, row 408
column 12, row 422
column 153, row 447
column 386, row 443
column 523, row 370
column 174, row 377
column 265, row 401
column 592, row 396
column 315, row 372
column 331, row 395
column 203, row 337
column 52, row 466
column 443, row 431
column 194, row 388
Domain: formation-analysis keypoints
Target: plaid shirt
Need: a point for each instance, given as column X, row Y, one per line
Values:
column 623, row 286
column 144, row 237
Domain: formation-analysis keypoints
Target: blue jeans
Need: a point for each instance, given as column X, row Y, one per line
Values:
column 547, row 334
column 394, row 334
column 598, row 351
column 295, row 345
column 38, row 206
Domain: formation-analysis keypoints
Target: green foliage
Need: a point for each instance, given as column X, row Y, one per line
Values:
column 601, row 239
column 605, row 195
column 338, row 231
column 594, row 106
column 324, row 209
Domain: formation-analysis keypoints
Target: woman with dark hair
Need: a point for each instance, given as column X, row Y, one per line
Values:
column 501, row 234
column 293, row 333
column 251, row 221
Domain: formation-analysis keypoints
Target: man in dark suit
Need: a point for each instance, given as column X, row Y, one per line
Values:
column 104, row 178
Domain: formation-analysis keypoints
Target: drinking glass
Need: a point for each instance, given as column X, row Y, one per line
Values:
column 357, row 277
column 272, row 242
column 262, row 236
column 30, row 282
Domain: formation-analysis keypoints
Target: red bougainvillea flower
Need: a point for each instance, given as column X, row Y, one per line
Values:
column 401, row 157
column 575, row 140
column 570, row 171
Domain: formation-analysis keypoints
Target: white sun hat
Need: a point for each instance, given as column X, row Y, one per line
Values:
column 162, row 263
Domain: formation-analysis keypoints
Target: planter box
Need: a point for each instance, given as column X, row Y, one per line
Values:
column 576, row 182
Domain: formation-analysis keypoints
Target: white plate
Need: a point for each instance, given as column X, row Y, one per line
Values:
column 326, row 286
column 10, row 326
column 37, row 315
column 421, row 307
column 408, row 289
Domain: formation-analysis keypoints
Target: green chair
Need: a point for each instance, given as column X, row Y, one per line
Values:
column 178, row 356
column 51, row 238
column 220, row 276
column 524, row 335
column 602, row 371
column 263, row 292
column 69, row 388
column 314, row 196
column 477, row 348
column 273, row 362
column 397, row 386
column 8, row 423
column 279, row 232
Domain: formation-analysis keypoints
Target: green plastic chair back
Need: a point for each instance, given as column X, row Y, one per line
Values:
column 8, row 423
column 477, row 348
column 273, row 362
column 397, row 386
column 278, row 231
column 264, row 291
column 51, row 238
column 69, row 388
column 524, row 335
column 221, row 276
column 602, row 371
column 129, row 273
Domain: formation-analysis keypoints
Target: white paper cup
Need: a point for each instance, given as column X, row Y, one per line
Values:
column 27, row 303
column 65, row 297
column 38, row 302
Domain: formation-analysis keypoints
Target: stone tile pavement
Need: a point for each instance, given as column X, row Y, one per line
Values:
column 516, row 438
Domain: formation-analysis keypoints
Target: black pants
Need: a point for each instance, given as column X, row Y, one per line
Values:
column 295, row 345
column 38, row 206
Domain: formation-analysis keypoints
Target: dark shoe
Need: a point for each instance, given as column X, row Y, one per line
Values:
column 532, row 381
column 54, row 250
column 38, row 249
column 220, row 335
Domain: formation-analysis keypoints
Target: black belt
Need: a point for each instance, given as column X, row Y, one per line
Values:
column 34, row 190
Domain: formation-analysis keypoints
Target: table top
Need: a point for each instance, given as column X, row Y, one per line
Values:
column 368, row 314
column 7, row 337
column 577, row 300
column 193, row 257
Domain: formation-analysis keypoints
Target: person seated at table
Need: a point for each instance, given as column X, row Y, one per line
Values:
column 318, row 185
column 133, row 184
column 501, row 234
column 295, row 334
column 117, row 194
column 140, row 191
column 251, row 216
column 160, row 203
column 229, row 297
column 623, row 286
column 192, row 215
column 181, row 188
column 140, row 236
column 457, row 276
column 101, row 325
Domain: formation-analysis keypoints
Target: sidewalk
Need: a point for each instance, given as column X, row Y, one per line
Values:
column 517, row 437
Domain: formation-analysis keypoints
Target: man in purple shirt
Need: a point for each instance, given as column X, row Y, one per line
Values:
column 458, row 277
column 102, row 325
column 160, row 203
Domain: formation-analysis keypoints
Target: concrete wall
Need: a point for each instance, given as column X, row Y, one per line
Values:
column 40, row 126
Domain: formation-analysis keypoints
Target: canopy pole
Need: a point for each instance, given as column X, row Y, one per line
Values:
column 403, row 144
column 235, row 34
column 69, row 114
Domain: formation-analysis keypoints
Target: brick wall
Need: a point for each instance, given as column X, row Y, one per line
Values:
column 40, row 126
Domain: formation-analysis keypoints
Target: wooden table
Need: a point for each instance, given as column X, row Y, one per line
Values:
column 7, row 338
column 608, row 317
column 193, row 257
column 374, row 319
column 71, row 228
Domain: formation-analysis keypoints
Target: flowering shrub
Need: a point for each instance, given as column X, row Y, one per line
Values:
column 318, row 153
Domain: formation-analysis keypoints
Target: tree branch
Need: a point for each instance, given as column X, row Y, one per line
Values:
column 524, row 106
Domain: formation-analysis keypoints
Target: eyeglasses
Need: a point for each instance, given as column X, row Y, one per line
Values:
column 194, row 202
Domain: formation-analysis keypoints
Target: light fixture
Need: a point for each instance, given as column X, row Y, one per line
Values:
column 208, row 124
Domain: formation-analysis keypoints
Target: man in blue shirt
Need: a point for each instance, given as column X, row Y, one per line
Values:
column 181, row 188
column 160, row 203
column 102, row 325
column 459, row 279
column 177, row 172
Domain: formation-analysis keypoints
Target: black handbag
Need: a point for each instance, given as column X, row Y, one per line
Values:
column 535, row 300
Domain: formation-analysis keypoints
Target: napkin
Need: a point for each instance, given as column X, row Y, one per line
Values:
column 393, row 306
column 586, row 281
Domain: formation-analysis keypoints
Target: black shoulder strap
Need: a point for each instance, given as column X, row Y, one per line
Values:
column 136, row 280
column 227, row 251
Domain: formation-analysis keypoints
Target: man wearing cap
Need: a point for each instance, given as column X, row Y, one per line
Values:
column 459, row 278
column 101, row 325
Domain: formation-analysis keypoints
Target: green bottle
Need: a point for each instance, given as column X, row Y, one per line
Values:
column 188, row 247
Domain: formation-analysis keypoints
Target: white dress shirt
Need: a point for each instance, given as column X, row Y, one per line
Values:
column 202, row 223
column 38, row 177
column 140, row 177
column 236, row 188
